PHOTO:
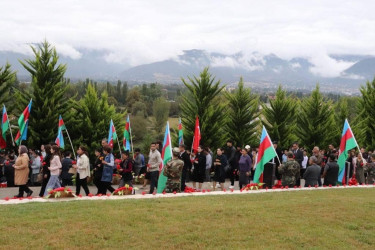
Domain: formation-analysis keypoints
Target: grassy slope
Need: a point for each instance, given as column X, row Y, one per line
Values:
column 310, row 219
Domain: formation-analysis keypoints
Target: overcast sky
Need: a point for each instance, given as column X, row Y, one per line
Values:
column 137, row 32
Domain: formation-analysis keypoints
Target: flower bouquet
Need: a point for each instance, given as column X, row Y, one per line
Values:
column 139, row 179
column 126, row 190
column 189, row 190
column 252, row 186
column 116, row 179
column 60, row 193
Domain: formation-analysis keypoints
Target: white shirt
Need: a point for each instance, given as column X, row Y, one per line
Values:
column 304, row 162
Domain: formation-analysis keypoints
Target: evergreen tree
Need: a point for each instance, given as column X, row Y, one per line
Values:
column 279, row 118
column 48, row 92
column 315, row 121
column 161, row 112
column 242, row 124
column 202, row 100
column 364, row 124
column 7, row 80
column 92, row 120
column 341, row 113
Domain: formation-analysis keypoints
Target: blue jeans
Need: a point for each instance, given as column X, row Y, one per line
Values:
column 53, row 183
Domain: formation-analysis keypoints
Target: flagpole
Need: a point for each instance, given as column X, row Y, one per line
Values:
column 119, row 147
column 11, row 134
column 131, row 136
column 71, row 144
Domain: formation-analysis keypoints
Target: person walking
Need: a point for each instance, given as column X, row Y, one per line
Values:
column 54, row 168
column 67, row 164
column 83, row 170
column 35, row 166
column 98, row 171
column 21, row 172
column 126, row 168
column 45, row 171
column 108, row 166
column 230, row 152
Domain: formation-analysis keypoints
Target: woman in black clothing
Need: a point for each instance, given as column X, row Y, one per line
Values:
column 45, row 170
column 98, row 171
column 220, row 163
column 199, row 171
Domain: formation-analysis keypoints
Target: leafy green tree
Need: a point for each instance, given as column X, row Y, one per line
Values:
column 161, row 112
column 242, row 125
column 364, row 124
column 279, row 118
column 92, row 120
column 48, row 92
column 315, row 121
column 202, row 99
column 7, row 80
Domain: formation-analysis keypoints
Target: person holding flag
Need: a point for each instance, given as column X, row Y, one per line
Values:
column 266, row 152
column 347, row 143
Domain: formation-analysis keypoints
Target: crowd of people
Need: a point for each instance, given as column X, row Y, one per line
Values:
column 50, row 168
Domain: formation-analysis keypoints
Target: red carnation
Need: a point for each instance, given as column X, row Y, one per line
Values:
column 143, row 193
column 164, row 192
column 316, row 186
column 108, row 195
column 99, row 195
column 174, row 192
column 74, row 162
column 309, row 186
column 295, row 186
column 80, row 195
column 90, row 195
column 6, row 198
column 232, row 190
column 203, row 190
column 224, row 190
column 208, row 190
column 29, row 197
column 330, row 185
column 154, row 193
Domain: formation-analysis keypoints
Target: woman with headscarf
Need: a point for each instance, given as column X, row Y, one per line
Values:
column 21, row 172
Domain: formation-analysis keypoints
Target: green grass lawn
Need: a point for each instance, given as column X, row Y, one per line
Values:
column 317, row 219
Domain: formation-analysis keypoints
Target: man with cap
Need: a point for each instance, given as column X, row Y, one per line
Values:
column 173, row 171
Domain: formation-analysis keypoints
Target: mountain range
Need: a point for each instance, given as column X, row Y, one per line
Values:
column 253, row 67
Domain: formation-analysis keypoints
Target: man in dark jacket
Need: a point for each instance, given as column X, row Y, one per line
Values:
column 230, row 153
column 331, row 171
column 298, row 156
column 185, row 157
column 312, row 173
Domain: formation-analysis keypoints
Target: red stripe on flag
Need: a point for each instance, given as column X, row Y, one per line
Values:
column 266, row 143
column 61, row 122
column 5, row 117
column 348, row 134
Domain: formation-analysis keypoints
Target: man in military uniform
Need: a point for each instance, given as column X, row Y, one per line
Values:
column 173, row 170
column 290, row 171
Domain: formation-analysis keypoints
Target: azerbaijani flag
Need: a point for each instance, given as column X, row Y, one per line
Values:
column 4, row 129
column 60, row 138
column 347, row 143
column 166, row 155
column 23, row 122
column 180, row 133
column 197, row 136
column 127, row 132
column 265, row 154
column 112, row 135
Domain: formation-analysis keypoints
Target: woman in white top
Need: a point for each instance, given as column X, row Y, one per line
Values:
column 54, row 168
column 83, row 170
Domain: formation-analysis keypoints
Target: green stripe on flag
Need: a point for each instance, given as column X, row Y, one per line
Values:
column 268, row 155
